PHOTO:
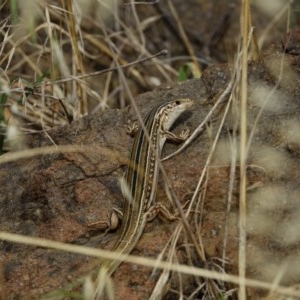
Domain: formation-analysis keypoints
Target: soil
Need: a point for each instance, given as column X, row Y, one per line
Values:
column 58, row 196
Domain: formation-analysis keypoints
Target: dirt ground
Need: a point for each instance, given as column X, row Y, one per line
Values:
column 57, row 196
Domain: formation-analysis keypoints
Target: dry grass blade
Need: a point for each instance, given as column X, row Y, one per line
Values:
column 78, row 60
column 141, row 260
column 245, row 17
column 17, row 155
column 184, row 37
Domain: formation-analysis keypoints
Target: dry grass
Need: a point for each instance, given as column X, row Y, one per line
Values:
column 50, row 77
column 50, row 66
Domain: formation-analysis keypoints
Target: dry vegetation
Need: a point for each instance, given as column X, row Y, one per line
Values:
column 62, row 60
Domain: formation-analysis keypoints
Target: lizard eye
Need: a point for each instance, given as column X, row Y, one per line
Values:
column 177, row 102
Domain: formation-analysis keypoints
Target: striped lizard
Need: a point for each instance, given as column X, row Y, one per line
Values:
column 142, row 173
